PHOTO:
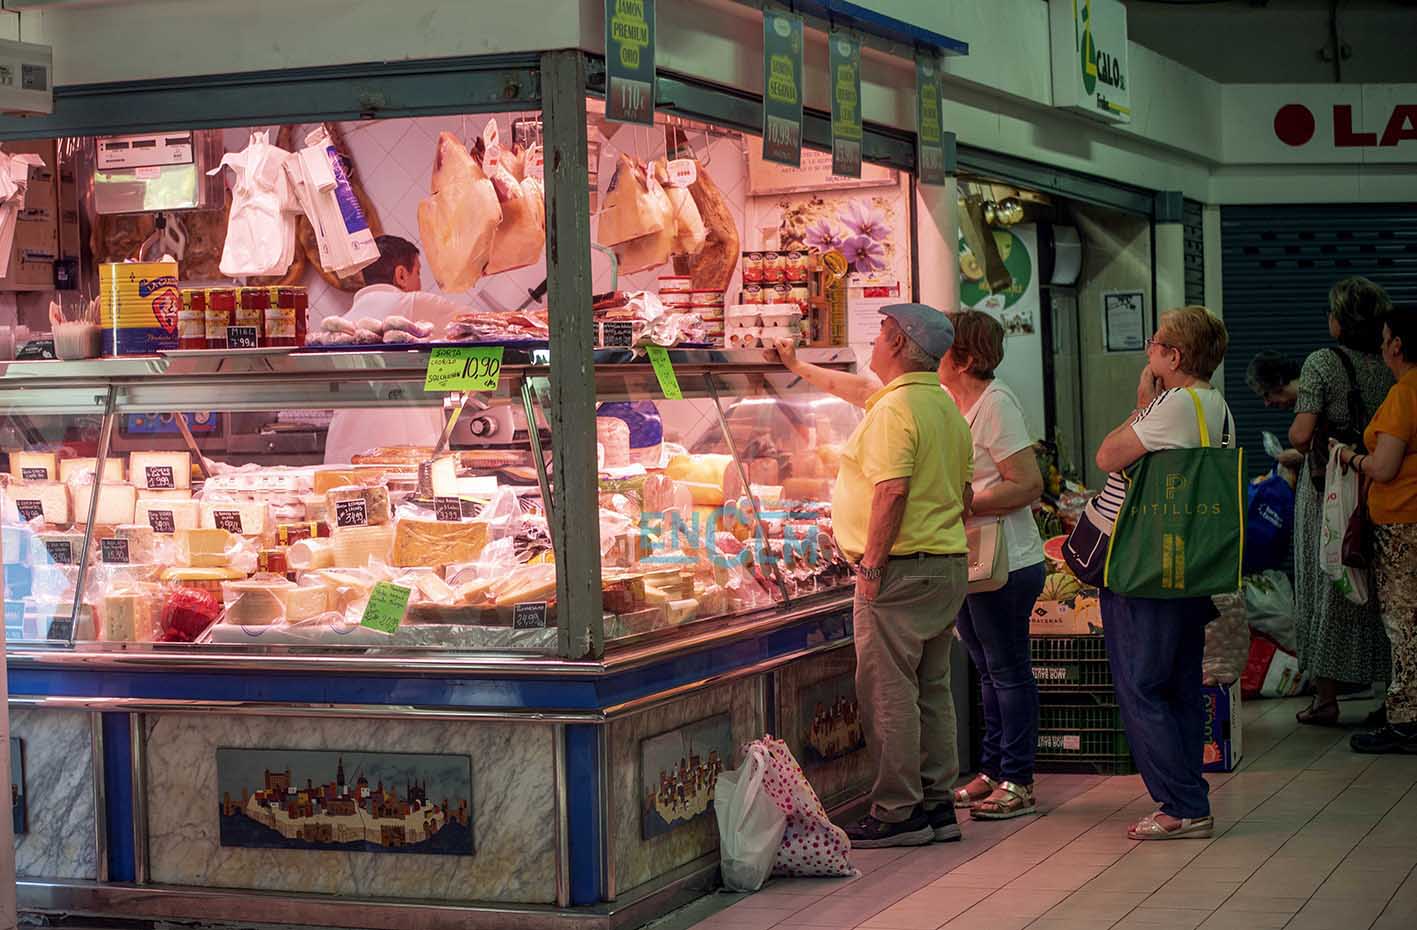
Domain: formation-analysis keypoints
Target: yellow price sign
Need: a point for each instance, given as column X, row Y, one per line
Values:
column 463, row 368
column 664, row 371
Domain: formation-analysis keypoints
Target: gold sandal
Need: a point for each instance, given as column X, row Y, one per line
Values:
column 979, row 788
column 1148, row 828
column 1008, row 800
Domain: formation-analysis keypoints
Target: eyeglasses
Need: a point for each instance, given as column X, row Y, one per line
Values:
column 1153, row 341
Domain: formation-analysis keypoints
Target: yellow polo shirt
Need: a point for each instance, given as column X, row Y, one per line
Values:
column 912, row 430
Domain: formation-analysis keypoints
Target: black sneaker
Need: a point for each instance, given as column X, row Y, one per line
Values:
column 943, row 824
column 1377, row 719
column 870, row 833
column 1397, row 739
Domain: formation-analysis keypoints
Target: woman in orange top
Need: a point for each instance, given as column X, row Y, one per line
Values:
column 1392, row 507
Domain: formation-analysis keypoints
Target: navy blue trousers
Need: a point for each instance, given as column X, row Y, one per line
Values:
column 1155, row 649
column 994, row 628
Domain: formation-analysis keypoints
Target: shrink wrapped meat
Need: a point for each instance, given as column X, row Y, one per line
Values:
column 459, row 221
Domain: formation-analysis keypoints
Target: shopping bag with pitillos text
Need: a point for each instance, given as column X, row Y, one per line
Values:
column 1181, row 530
column 1342, row 499
column 811, row 843
column 750, row 823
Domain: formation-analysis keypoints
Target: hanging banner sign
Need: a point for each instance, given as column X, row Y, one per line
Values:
column 929, row 129
column 1089, row 44
column 782, row 88
column 629, row 61
column 846, row 104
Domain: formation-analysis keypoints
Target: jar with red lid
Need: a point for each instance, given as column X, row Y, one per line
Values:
column 279, row 323
column 192, row 320
column 220, row 315
column 247, row 328
column 301, row 298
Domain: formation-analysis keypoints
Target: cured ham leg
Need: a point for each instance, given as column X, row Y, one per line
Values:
column 458, row 222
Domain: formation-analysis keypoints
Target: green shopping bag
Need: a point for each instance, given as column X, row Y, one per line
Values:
column 1181, row 531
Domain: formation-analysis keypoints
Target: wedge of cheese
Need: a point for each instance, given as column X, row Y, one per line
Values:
column 204, row 548
column 244, row 518
column 114, row 469
column 161, row 470
column 432, row 542
column 34, row 466
column 167, row 516
column 47, row 500
column 117, row 503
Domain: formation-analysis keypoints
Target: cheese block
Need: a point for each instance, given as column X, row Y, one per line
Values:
column 114, row 469
column 444, row 474
column 435, row 589
column 433, row 542
column 167, row 516
column 703, row 475
column 204, row 548
column 200, row 577
column 304, row 601
column 166, row 470
column 255, row 601
column 357, row 505
column 34, row 466
column 141, row 538
column 48, row 500
column 345, row 588
column 354, row 546
column 244, row 518
column 310, row 554
column 59, row 548
column 117, row 503
column 327, row 478
column 131, row 616
column 164, row 494
column 317, row 509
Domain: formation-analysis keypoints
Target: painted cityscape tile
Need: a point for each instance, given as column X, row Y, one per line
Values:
column 831, row 727
column 18, row 804
column 352, row 801
column 678, row 771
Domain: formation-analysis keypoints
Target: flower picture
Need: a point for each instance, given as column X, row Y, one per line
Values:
column 860, row 227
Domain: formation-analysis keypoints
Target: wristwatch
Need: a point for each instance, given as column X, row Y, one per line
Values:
column 869, row 573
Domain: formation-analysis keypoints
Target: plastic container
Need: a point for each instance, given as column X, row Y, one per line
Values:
column 675, row 284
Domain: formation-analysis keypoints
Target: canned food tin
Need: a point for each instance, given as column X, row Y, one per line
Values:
column 752, row 267
column 753, row 294
column 139, row 304
column 773, row 267
column 795, row 266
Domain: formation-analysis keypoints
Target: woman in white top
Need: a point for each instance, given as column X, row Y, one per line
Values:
column 994, row 626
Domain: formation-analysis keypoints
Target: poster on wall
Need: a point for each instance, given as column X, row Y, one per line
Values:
column 869, row 227
column 1124, row 321
column 678, row 772
column 382, row 802
column 1017, row 308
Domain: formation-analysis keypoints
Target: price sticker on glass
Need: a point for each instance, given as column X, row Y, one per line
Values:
column 664, row 371
column 463, row 368
column 388, row 603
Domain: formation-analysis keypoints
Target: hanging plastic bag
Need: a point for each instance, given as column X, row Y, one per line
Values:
column 750, row 825
column 1342, row 496
column 811, row 843
column 260, row 235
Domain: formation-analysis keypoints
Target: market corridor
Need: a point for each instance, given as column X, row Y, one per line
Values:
column 1309, row 836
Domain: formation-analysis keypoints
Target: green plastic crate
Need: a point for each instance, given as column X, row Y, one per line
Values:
column 1070, row 663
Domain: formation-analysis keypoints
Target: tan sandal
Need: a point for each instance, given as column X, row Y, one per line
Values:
column 1149, row 828
column 1008, row 800
column 979, row 788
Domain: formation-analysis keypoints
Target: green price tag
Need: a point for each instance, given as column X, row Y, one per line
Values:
column 664, row 371
column 387, row 605
column 463, row 368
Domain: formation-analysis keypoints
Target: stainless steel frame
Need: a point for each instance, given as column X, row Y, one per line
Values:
column 100, row 797
column 137, row 730
column 561, row 816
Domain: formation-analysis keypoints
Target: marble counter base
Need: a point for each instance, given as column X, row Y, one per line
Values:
column 835, row 780
column 62, row 841
column 513, row 787
column 639, row 860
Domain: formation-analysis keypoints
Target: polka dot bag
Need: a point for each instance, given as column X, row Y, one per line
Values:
column 811, row 844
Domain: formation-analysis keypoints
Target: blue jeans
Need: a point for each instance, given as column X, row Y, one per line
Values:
column 994, row 628
column 1155, row 649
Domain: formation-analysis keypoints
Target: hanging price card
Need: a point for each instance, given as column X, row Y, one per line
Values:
column 664, row 371
column 386, row 608
column 629, row 61
column 929, row 122
column 463, row 368
column 782, row 88
column 846, row 104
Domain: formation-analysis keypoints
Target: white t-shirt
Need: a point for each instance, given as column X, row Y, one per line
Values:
column 1168, row 422
column 354, row 431
column 996, row 422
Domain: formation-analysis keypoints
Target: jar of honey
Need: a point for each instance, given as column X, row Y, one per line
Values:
column 220, row 315
column 192, row 320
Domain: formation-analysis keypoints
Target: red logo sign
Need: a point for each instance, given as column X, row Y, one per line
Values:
column 1294, row 125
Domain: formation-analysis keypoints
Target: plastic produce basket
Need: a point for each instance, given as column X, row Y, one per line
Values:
column 1082, row 734
column 1064, row 664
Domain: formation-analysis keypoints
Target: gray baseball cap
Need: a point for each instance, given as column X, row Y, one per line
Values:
column 927, row 327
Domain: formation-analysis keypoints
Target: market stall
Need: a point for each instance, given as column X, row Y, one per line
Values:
column 287, row 615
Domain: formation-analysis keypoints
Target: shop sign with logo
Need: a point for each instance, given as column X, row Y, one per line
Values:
column 1089, row 45
column 1309, row 123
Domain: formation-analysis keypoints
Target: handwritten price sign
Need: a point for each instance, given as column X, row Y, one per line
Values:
column 463, row 368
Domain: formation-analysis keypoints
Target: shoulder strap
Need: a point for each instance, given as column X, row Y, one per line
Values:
column 1200, row 418
column 1357, row 410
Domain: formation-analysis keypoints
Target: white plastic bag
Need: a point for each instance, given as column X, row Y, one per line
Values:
column 260, row 235
column 750, row 824
column 1341, row 498
column 1269, row 606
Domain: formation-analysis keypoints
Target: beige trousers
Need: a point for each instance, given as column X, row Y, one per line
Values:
column 903, row 641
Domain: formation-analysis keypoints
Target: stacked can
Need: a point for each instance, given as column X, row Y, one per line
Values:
column 138, row 307
column 708, row 305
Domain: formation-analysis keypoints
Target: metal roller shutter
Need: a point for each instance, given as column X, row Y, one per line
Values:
column 1278, row 263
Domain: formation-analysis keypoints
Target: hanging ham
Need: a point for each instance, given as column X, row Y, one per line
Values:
column 689, row 232
column 631, row 211
column 459, row 221
column 521, row 237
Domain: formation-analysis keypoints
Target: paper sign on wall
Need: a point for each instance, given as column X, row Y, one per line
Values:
column 782, row 88
column 929, row 128
column 846, row 104
column 1124, row 321
column 629, row 61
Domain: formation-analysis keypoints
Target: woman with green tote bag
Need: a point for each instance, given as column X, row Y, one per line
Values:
column 1155, row 644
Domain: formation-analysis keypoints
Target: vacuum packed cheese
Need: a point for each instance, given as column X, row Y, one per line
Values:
column 47, row 500
column 244, row 518
column 34, row 466
column 141, row 539
column 167, row 515
column 204, row 548
column 113, row 468
column 354, row 546
column 310, row 554
column 130, row 616
column 304, row 601
column 358, row 505
column 160, row 470
column 117, row 503
column 60, row 548
column 434, row 542
column 255, row 601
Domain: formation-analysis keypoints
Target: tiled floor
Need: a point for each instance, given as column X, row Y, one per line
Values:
column 1310, row 836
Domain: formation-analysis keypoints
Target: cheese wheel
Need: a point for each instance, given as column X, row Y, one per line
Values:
column 310, row 554
column 613, row 434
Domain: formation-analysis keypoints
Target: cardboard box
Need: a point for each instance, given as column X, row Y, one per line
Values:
column 1222, row 728
column 1078, row 615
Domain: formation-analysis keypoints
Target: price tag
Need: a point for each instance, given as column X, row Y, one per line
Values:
column 61, row 629
column 243, row 337
column 529, row 616
column 34, row 474
column 159, row 477
column 617, row 333
column 61, row 551
column 683, row 172
column 113, row 551
column 229, row 520
column 386, row 608
column 448, row 509
column 30, row 510
column 351, row 513
column 463, row 368
column 664, row 371
column 161, row 521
